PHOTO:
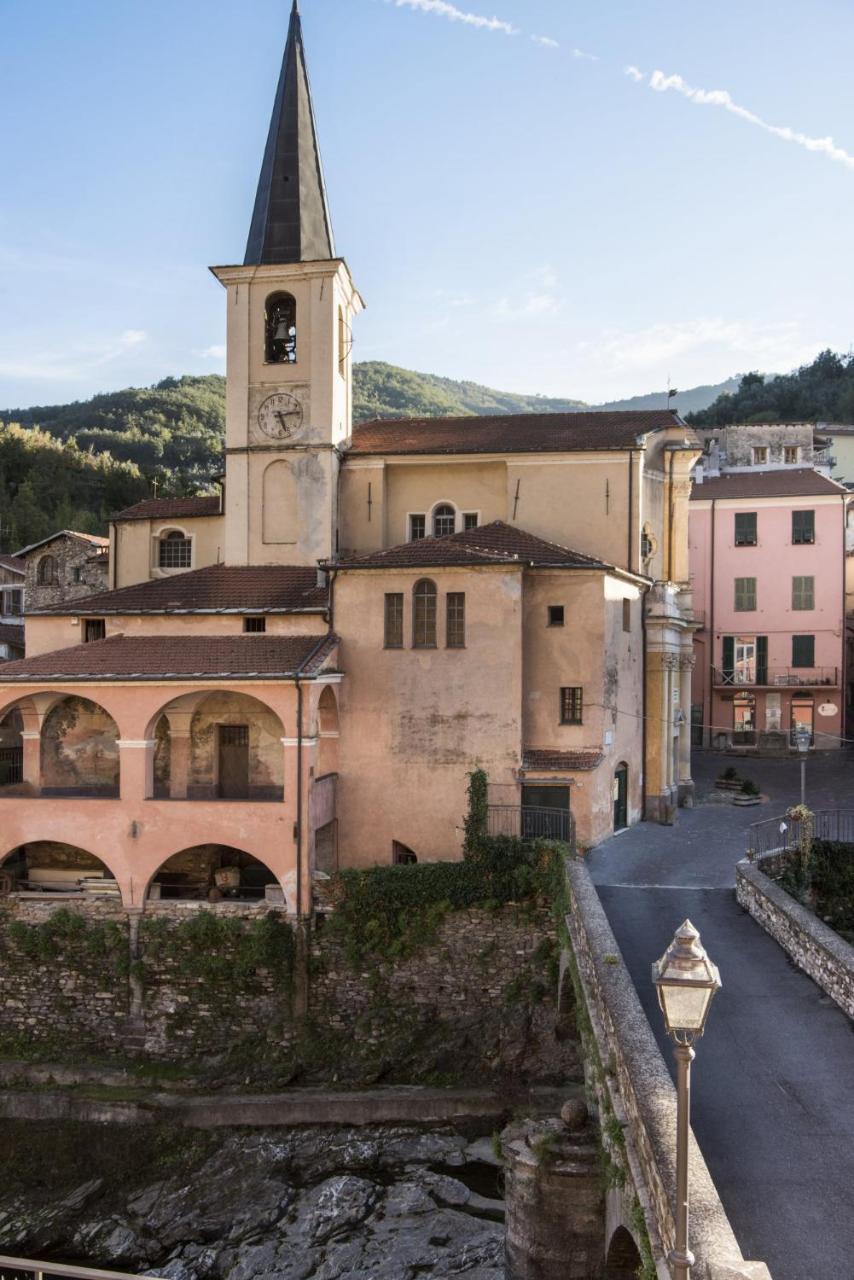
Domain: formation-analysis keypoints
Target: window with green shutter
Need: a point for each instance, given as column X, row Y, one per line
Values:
column 803, row 527
column 745, row 595
column 761, row 659
column 803, row 651
column 745, row 528
column 803, row 593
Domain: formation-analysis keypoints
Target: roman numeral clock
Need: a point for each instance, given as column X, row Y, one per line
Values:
column 280, row 416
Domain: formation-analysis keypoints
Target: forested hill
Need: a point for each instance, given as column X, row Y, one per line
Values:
column 819, row 392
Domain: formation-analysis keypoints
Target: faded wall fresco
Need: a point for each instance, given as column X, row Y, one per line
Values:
column 79, row 750
column 266, row 754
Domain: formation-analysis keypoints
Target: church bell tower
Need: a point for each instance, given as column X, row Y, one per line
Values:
column 289, row 371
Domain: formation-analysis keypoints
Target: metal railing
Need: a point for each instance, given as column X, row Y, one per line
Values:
column 11, row 766
column 26, row 1269
column 783, row 834
column 530, row 823
column 777, row 677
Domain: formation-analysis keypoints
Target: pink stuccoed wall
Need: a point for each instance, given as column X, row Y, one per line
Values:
column 774, row 561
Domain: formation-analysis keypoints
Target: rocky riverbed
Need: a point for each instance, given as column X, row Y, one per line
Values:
column 277, row 1204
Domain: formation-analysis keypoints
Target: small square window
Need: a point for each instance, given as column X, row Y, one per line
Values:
column 470, row 520
column 417, row 528
column 572, row 706
column 254, row 626
column 627, row 615
column 556, row 615
column 791, row 455
column 77, row 574
column 94, row 629
column 760, row 456
column 745, row 529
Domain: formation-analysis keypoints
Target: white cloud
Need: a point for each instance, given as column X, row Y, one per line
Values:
column 75, row 363
column 635, row 73
column 657, row 346
column 216, row 352
column 444, row 10
column 721, row 98
column 546, row 41
column 588, row 57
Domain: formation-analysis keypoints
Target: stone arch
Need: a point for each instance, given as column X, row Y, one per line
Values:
column 565, row 1011
column 79, row 749
column 280, row 504
column 212, row 873
column 191, row 747
column 173, row 550
column 623, row 1260
column 54, row 867
column 444, row 519
column 47, row 571
column 280, row 329
column 328, row 732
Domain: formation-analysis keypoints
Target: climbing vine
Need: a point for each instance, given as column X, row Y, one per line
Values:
column 80, row 943
column 217, row 948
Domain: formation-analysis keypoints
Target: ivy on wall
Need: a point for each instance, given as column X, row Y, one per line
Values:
column 220, row 949
column 78, row 942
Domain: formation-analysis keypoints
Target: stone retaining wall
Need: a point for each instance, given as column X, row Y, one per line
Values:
column 643, row 1097
column 815, row 948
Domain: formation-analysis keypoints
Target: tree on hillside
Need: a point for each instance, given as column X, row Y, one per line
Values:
column 819, row 392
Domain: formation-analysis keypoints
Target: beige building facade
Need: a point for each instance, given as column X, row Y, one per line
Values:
column 301, row 672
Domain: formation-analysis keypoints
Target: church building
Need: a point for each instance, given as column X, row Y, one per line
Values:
column 298, row 673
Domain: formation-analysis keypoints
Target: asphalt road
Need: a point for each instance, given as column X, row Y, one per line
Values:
column 774, row 1076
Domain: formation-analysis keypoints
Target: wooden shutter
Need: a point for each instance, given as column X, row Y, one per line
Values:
column 728, row 659
column 761, row 659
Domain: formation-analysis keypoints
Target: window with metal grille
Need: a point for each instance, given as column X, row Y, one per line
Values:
column 254, row 626
column 417, row 528
column 470, row 520
column 627, row 615
column 803, row 593
column 424, row 615
column 456, row 620
column 394, row 620
column 572, row 706
column 803, row 651
column 234, row 735
column 745, row 528
column 791, row 454
column 444, row 521
column 556, row 615
column 745, row 595
column 94, row 629
column 803, row 527
column 176, row 551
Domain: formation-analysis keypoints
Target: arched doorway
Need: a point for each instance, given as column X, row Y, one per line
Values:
column 79, row 750
column 11, row 749
column 212, row 873
column 621, row 797
column 624, row 1261
column 218, row 746
column 51, row 867
column 327, row 727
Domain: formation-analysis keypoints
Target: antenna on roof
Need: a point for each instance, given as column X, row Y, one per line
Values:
column 671, row 391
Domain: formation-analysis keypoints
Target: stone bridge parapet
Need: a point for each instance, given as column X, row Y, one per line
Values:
column 633, row 1084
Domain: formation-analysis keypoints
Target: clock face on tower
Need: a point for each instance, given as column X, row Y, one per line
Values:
column 280, row 416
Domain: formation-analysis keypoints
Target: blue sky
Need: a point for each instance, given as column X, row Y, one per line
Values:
column 523, row 212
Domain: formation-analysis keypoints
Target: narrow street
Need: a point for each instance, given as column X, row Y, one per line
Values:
column 773, row 1101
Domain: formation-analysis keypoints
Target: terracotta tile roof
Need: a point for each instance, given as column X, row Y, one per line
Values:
column 547, row 761
column 16, row 563
column 177, row 658
column 496, row 543
column 216, row 589
column 794, row 483
column 170, row 509
column 92, row 539
column 12, row 634
column 512, row 433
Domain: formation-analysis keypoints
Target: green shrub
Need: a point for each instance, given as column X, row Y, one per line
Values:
column 749, row 788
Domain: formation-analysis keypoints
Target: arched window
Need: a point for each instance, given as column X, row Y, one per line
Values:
column 444, row 521
column 48, row 573
column 175, row 551
column 424, row 615
column 280, row 329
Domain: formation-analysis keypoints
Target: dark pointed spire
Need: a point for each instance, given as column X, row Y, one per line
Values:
column 291, row 222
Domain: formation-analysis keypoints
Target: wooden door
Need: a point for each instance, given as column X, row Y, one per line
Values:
column 621, row 798
column 233, row 771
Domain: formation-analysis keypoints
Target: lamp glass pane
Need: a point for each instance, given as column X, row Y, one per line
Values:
column 685, row 1007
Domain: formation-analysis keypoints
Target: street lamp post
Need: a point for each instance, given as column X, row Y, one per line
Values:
column 686, row 982
column 803, row 741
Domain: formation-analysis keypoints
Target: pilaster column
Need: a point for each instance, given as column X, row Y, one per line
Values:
column 179, row 764
column 31, row 770
column 303, row 835
column 686, row 782
column 136, row 763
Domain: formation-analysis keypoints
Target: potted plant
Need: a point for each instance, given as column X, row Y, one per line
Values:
column 749, row 793
column 729, row 780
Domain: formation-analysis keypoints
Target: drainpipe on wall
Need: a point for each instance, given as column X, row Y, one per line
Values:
column 644, row 703
column 670, row 508
column 629, row 564
column 710, row 657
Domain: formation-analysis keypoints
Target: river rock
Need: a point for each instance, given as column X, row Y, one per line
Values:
column 338, row 1205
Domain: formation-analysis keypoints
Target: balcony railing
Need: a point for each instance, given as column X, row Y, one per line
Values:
column 527, row 822
column 22, row 1269
column 783, row 834
column 777, row 677
column 11, row 766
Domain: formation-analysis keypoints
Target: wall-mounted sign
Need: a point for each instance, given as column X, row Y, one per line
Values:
column 828, row 709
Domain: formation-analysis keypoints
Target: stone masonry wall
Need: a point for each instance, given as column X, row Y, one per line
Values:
column 178, row 983
column 815, row 948
column 70, row 554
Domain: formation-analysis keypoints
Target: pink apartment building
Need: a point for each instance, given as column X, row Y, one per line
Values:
column 767, row 557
